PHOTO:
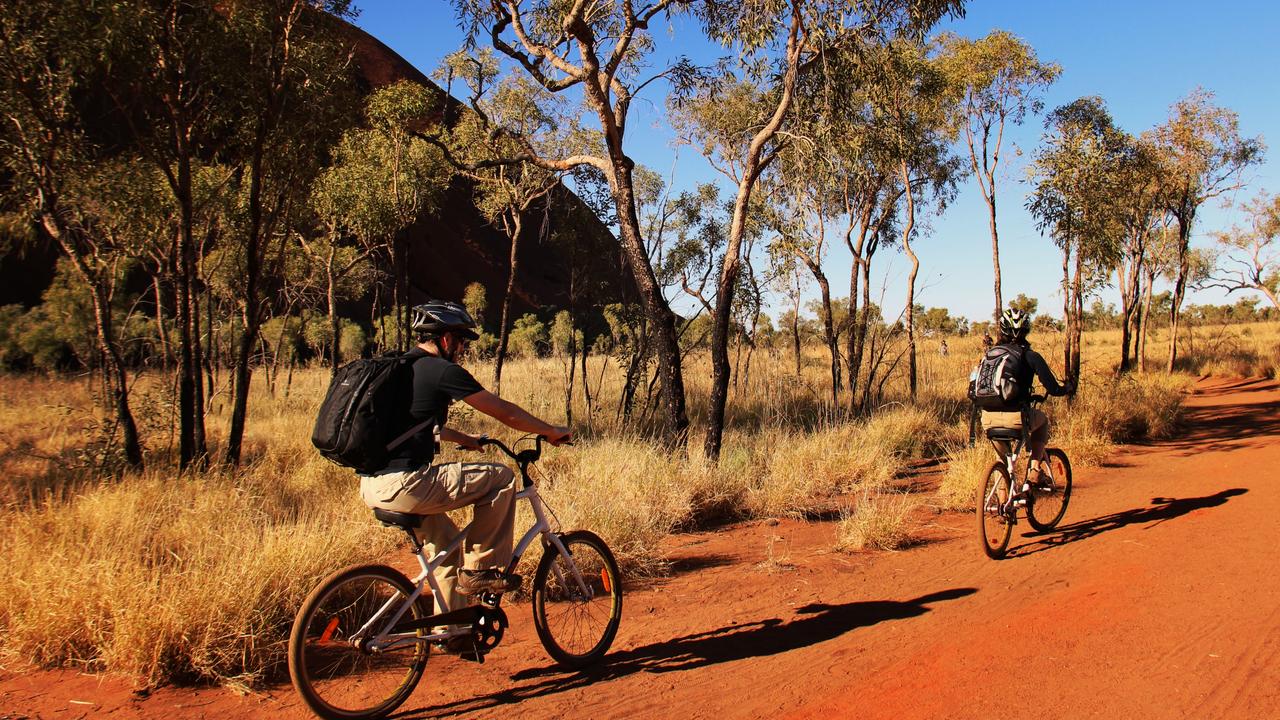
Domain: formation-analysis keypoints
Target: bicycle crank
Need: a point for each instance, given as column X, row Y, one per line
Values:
column 488, row 629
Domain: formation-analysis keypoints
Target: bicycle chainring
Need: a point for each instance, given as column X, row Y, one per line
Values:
column 488, row 628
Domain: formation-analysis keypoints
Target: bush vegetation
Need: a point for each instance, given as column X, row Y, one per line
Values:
column 195, row 576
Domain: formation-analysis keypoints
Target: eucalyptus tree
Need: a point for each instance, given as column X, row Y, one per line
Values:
column 1251, row 255
column 1204, row 156
column 800, row 222
column 1137, row 206
column 1075, row 182
column 911, row 99
column 598, row 52
column 734, row 117
column 174, row 65
column 502, row 110
column 995, row 80
column 45, row 54
column 291, row 97
column 379, row 181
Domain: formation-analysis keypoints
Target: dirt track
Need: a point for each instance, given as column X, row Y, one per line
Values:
column 1158, row 597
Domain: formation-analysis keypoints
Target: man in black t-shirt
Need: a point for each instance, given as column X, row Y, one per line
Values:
column 410, row 483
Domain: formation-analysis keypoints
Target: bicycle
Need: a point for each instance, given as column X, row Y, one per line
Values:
column 999, row 499
column 360, row 642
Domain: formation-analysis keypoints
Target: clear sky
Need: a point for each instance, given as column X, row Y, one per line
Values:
column 1140, row 57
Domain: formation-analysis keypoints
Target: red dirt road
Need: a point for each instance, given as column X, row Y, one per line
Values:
column 1158, row 597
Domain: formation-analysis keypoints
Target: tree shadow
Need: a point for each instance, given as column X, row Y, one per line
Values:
column 817, row 623
column 1160, row 510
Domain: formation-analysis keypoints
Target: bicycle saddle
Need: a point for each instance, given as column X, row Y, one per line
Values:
column 999, row 433
column 408, row 521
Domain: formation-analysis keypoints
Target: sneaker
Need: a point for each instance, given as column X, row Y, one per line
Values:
column 473, row 582
column 461, row 645
column 1042, row 482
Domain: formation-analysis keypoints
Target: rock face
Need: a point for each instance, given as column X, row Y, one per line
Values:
column 568, row 258
column 570, row 261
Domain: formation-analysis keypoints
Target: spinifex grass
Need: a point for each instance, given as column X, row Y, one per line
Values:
column 196, row 576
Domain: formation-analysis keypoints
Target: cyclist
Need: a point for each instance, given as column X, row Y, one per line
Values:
column 410, row 483
column 1014, row 327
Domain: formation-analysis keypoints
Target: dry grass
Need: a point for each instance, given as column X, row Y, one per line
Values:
column 171, row 578
column 879, row 521
column 966, row 466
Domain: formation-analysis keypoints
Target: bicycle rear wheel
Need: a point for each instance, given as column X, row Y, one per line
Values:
column 577, row 627
column 1045, row 508
column 994, row 527
column 338, row 678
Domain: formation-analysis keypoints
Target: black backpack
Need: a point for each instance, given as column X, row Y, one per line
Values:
column 994, row 382
column 364, row 411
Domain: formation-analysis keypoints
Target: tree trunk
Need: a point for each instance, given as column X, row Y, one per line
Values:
column 1077, row 294
column 1066, row 304
column 504, row 327
column 162, row 332
column 995, row 251
column 911, row 280
column 828, row 324
column 1179, row 288
column 667, row 349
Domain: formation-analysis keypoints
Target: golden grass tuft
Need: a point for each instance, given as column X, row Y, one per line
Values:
column 879, row 521
column 966, row 466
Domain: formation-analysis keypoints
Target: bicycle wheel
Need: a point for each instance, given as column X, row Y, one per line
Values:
column 1045, row 508
column 994, row 528
column 338, row 679
column 575, row 627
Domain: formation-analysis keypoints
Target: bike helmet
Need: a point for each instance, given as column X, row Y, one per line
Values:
column 1015, row 323
column 437, row 317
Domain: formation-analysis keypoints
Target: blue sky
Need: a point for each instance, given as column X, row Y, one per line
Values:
column 1140, row 57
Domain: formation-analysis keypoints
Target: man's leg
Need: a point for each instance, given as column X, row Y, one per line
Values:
column 490, row 486
column 1038, row 439
column 437, row 531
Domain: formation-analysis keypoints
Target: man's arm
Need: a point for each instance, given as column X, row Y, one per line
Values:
column 516, row 417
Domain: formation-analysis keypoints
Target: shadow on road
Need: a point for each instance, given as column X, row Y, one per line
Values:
column 1160, row 510
column 817, row 623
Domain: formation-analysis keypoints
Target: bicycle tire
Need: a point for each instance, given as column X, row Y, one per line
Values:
column 994, row 529
column 1045, row 510
column 577, row 631
column 336, row 679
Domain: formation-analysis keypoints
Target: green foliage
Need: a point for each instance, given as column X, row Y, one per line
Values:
column 317, row 333
column 1026, row 304
column 528, row 336
column 564, row 335
column 475, row 301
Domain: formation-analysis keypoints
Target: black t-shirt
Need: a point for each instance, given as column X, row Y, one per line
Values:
column 1034, row 366
column 436, row 384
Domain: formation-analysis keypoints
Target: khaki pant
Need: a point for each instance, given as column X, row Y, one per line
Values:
column 432, row 491
column 1038, row 432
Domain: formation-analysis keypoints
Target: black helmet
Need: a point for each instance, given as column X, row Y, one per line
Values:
column 1015, row 323
column 437, row 317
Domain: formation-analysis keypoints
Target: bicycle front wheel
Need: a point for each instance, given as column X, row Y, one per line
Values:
column 577, row 599
column 1046, row 507
column 333, row 671
column 994, row 526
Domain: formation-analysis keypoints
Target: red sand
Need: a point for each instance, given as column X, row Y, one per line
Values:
column 1158, row 597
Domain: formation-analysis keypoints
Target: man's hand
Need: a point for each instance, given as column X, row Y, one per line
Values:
column 560, row 435
column 468, row 442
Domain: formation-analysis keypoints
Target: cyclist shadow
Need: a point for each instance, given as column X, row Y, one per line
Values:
column 1160, row 510
column 817, row 623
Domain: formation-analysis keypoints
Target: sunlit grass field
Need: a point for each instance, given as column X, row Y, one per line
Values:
column 167, row 577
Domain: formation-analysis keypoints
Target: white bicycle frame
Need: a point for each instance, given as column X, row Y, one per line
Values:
column 386, row 640
column 1011, row 460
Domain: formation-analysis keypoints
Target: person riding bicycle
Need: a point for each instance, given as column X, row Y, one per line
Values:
column 1014, row 327
column 410, row 483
